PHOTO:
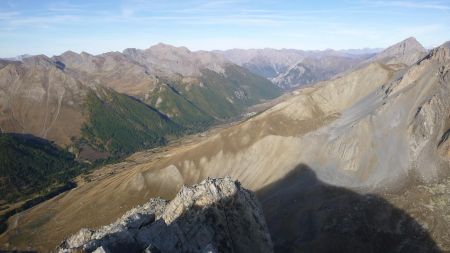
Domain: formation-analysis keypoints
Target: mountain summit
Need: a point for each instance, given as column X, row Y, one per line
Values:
column 408, row 52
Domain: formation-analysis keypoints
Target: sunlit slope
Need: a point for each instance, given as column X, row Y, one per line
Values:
column 379, row 127
column 256, row 152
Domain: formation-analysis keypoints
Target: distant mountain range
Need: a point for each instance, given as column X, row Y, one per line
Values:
column 290, row 68
column 106, row 106
column 273, row 62
column 77, row 100
column 143, row 97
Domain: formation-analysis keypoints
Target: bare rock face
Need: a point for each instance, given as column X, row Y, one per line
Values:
column 216, row 215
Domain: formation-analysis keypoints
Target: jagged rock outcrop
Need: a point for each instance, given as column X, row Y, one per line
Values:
column 217, row 215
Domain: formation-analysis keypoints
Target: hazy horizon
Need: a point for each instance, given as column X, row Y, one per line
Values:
column 52, row 27
column 192, row 50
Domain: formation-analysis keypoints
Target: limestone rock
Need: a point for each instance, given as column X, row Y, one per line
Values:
column 216, row 215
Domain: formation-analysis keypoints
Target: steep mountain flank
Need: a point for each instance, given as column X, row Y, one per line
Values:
column 38, row 98
column 119, row 124
column 407, row 52
column 217, row 215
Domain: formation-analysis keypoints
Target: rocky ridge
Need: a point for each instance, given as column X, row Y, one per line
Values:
column 217, row 215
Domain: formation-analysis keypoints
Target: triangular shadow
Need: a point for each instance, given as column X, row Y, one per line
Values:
column 307, row 215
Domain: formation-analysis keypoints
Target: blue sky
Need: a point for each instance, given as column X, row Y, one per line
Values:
column 52, row 27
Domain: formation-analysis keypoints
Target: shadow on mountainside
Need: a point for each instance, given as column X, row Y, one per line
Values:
column 306, row 215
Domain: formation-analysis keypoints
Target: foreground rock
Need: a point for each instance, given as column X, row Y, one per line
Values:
column 216, row 215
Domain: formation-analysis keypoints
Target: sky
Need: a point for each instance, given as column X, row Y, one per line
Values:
column 51, row 27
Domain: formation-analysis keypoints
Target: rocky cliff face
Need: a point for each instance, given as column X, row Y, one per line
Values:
column 217, row 215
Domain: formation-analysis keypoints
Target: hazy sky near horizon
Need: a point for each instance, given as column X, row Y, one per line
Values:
column 52, row 27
